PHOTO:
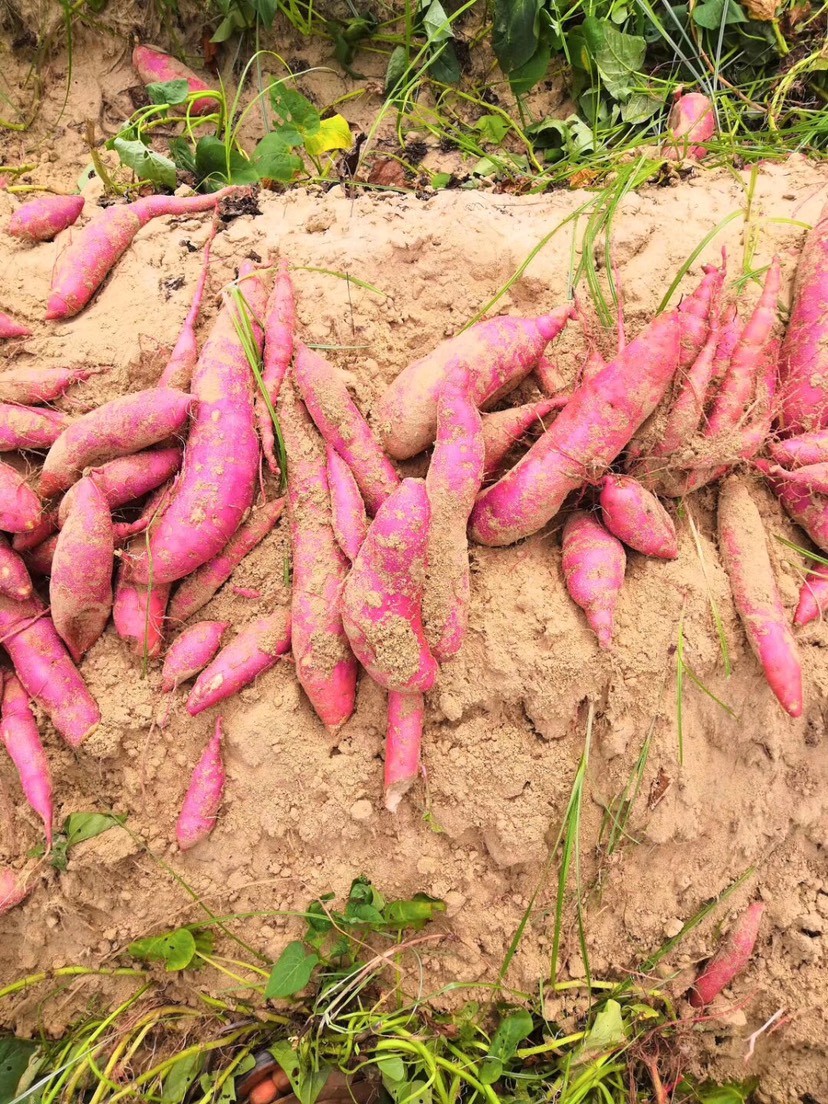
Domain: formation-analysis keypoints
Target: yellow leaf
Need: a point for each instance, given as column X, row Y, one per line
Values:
column 763, row 10
column 333, row 134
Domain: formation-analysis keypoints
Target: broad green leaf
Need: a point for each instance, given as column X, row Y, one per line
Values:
column 83, row 826
column 291, row 973
column 363, row 891
column 392, row 1068
column 176, row 949
column 274, row 160
column 168, row 92
column 445, row 67
column 307, row 1083
column 619, row 57
column 211, row 165
column 493, row 128
column 317, row 917
column 606, row 1034
column 397, row 67
column 182, row 154
column 416, row 1091
column 333, row 133
column 516, row 32
column 227, row 1092
column 290, row 106
column 640, row 107
column 524, row 78
column 512, row 1030
column 145, row 163
column 266, row 11
column 233, row 22
column 441, row 180
column 726, row 1094
column 15, row 1055
column 712, row 13
column 180, row 1077
column 436, row 23
column 415, row 913
column 356, row 912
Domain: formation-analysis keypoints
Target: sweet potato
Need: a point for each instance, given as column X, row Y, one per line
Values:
column 499, row 352
column 27, row 427
column 43, row 218
column 11, row 328
column 80, row 590
column 18, row 730
column 38, row 560
column 221, row 458
column 127, row 478
column 190, row 652
column 402, row 745
column 348, row 517
column 179, row 368
column 730, row 959
column 694, row 313
column 744, row 553
column 279, row 326
column 636, row 517
column 796, row 452
column 804, row 357
column 15, row 887
column 20, row 508
column 255, row 650
column 687, row 409
column 813, row 597
column 31, row 538
column 14, row 578
column 454, row 478
column 692, row 121
column 197, row 589
column 139, row 608
column 155, row 67
column 117, row 428
column 44, row 667
column 593, row 563
column 84, row 265
column 585, row 438
column 197, row 818
column 382, row 598
column 30, row 386
column 504, row 428
column 325, row 665
column 343, row 427
column 808, row 510
column 811, row 477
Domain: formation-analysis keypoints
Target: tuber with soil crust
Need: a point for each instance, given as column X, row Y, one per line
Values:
column 153, row 66
column 813, row 598
column 202, row 800
column 18, row 730
column 29, row 427
column 593, row 564
column 20, row 509
column 10, row 328
column 182, row 361
column 503, row 429
column 15, row 887
column 127, row 478
column 348, row 516
column 635, row 516
column 190, row 652
column 43, row 218
column 30, row 386
column 730, row 959
column 406, row 713
column 279, row 327
column 14, row 578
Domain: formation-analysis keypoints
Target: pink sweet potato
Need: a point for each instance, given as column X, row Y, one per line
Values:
column 692, row 121
column 117, row 428
column 811, row 477
column 325, row 665
column 255, row 650
column 593, row 563
column 43, row 218
column 155, row 67
column 279, row 327
column 744, row 553
column 348, row 517
column 454, row 478
column 190, row 652
column 14, row 578
column 27, row 427
column 686, row 411
column 20, row 508
column 804, row 357
column 38, row 560
column 18, row 730
column 127, row 478
column 694, row 313
column 402, row 745
column 796, row 452
column 808, row 510
column 197, row 589
column 197, row 818
column 730, row 959
column 84, row 265
column 499, row 352
column 813, row 597
column 44, row 667
column 503, row 429
column 382, row 598
column 80, row 590
column 343, row 427
column 15, row 887
column 636, row 517
column 221, row 458
column 31, row 538
column 184, row 357
column 139, row 608
column 30, row 386
column 11, row 328
column 585, row 438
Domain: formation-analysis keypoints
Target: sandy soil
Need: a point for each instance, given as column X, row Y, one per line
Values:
column 506, row 724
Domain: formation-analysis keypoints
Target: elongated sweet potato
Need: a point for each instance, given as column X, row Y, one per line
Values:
column 744, row 553
column 45, row 668
column 504, row 428
column 27, row 427
column 454, row 478
column 636, row 517
column 402, row 745
column 139, row 608
column 325, row 665
column 796, row 452
column 730, row 959
column 31, row 538
column 279, row 327
column 30, row 386
column 499, row 352
column 382, row 598
column 585, row 438
column 343, row 427
column 155, row 67
column 348, row 517
column 127, row 478
column 180, row 367
column 593, row 563
column 221, row 458
column 15, row 887
column 14, row 578
column 80, row 590
column 197, row 589
column 20, row 508
column 807, row 509
column 117, row 428
column 18, row 731
column 9, row 327
column 190, row 652
column 203, row 798
column 813, row 597
column 43, row 218
column 255, row 650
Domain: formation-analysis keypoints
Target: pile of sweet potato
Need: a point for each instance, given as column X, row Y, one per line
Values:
column 380, row 564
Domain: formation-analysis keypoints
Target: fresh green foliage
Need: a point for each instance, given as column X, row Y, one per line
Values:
column 77, row 828
column 178, row 949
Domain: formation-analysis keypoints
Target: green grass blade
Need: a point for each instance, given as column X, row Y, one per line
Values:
column 703, row 244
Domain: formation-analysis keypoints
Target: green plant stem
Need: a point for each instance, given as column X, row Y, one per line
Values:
column 67, row 972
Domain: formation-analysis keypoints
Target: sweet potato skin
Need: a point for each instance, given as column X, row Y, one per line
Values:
column 382, row 598
column 813, row 598
column 20, row 509
column 190, row 652
column 406, row 713
column 14, row 578
column 203, row 798
column 635, row 516
column 153, row 66
column 593, row 564
column 692, row 120
column 30, row 386
column 348, row 517
column 744, row 553
column 42, row 218
column 14, row 888
column 279, row 328
column 18, row 731
column 504, row 428
column 731, row 958
column 139, row 609
column 127, row 478
column 26, row 427
column 9, row 328
column 587, row 435
column 797, row 452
